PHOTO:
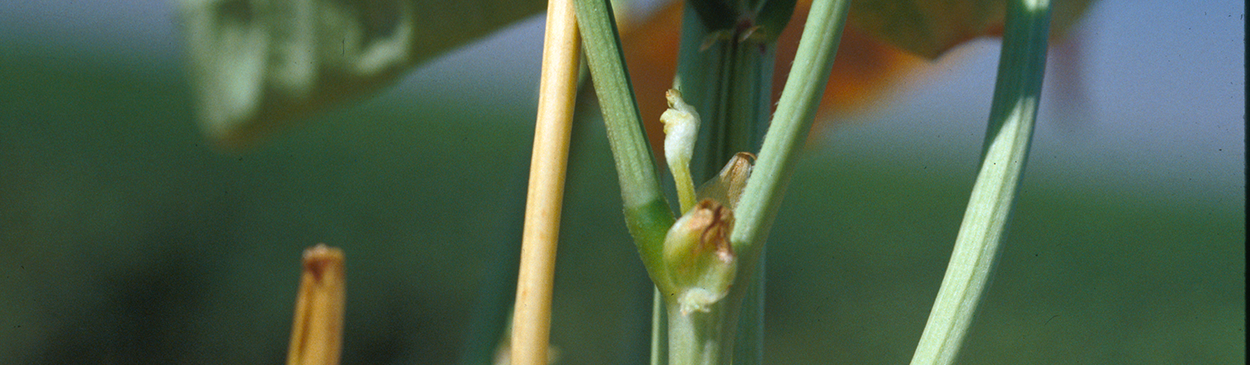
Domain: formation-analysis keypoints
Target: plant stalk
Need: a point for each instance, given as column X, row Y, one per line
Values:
column 700, row 338
column 317, row 330
column 795, row 112
column 647, row 213
column 659, row 329
column 1012, row 115
column 531, row 323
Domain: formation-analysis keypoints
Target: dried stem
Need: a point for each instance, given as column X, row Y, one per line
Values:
column 317, row 332
column 531, row 323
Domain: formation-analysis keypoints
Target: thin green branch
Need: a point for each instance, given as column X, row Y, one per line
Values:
column 795, row 112
column 647, row 214
column 1012, row 115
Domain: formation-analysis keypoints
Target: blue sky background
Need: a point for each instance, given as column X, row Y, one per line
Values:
column 1164, row 83
column 1164, row 107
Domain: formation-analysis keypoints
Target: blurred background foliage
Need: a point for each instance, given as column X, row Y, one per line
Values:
column 126, row 239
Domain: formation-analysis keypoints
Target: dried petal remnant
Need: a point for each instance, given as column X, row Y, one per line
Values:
column 715, row 221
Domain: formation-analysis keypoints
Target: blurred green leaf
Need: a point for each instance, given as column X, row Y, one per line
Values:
column 258, row 63
column 931, row 27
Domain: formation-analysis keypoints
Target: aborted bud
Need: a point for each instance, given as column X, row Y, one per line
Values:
column 681, row 129
column 699, row 259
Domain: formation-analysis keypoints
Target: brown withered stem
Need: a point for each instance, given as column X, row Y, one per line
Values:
column 317, row 332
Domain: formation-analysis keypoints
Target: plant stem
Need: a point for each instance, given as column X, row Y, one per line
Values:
column 729, row 80
column 558, row 87
column 749, row 339
column 700, row 338
column 1012, row 115
column 317, row 330
column 647, row 214
column 699, row 84
column 758, row 205
column 740, row 99
column 729, row 83
column 659, row 329
column 795, row 113
column 749, row 107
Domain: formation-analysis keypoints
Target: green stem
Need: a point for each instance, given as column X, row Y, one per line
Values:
column 659, row 329
column 1012, row 115
column 794, row 116
column 750, row 105
column 700, row 80
column 746, row 104
column 700, row 338
column 749, row 341
column 647, row 214
column 729, row 83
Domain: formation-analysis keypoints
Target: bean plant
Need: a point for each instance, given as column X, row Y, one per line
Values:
column 729, row 151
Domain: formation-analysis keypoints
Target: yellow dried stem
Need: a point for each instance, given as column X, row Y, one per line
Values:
column 531, row 324
column 317, row 332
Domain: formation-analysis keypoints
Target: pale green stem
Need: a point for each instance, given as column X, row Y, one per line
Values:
column 1006, row 148
column 700, row 338
column 749, row 339
column 659, row 329
column 795, row 113
column 735, row 97
column 750, row 104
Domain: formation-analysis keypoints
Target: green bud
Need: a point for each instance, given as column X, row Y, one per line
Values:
column 727, row 186
column 699, row 261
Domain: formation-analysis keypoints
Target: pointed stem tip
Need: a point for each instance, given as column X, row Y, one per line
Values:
column 317, row 332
